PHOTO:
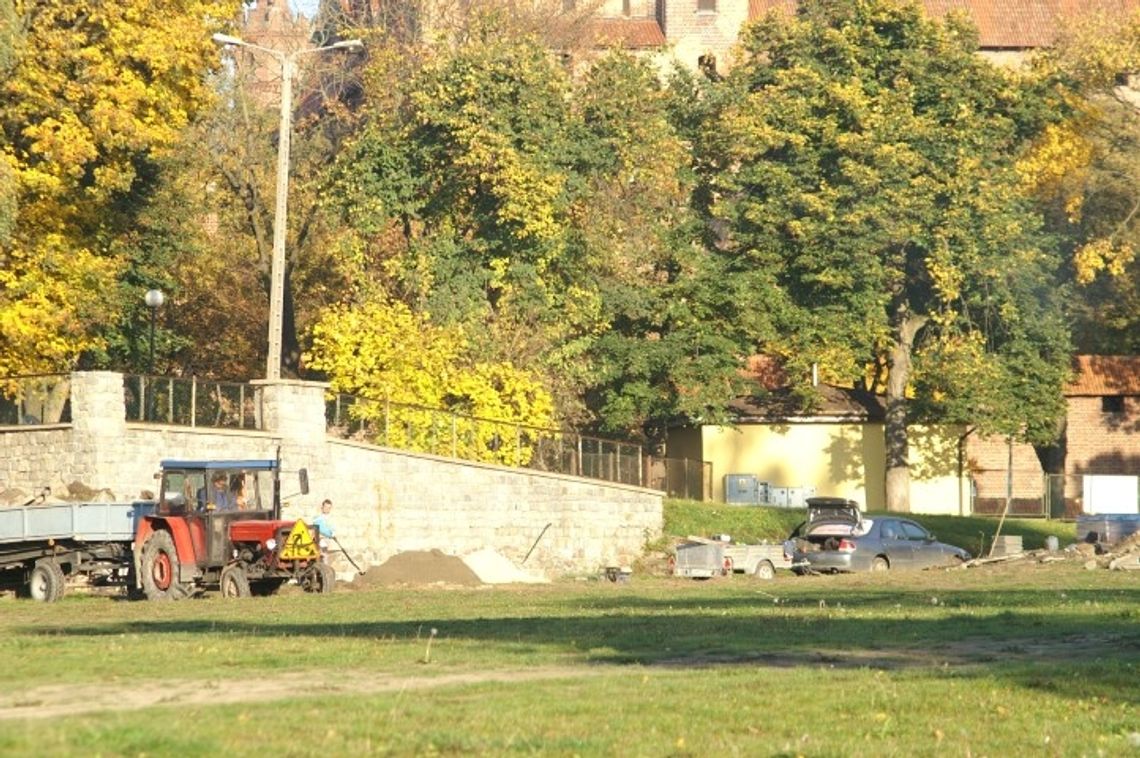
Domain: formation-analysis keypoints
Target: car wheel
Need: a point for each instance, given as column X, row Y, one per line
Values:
column 765, row 570
column 879, row 563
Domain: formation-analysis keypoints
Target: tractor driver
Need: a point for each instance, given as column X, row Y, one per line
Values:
column 217, row 495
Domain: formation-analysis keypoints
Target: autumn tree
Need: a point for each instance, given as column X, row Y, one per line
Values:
column 1085, row 170
column 98, row 93
column 862, row 180
column 546, row 215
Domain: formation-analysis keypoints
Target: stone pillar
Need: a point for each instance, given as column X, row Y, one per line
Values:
column 99, row 427
column 294, row 412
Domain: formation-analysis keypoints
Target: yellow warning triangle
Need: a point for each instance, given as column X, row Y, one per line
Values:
column 299, row 545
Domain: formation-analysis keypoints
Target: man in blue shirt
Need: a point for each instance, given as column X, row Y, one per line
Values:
column 322, row 522
column 218, row 496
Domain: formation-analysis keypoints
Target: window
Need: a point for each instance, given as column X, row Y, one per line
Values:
column 625, row 7
column 706, row 6
column 913, row 531
column 1112, row 404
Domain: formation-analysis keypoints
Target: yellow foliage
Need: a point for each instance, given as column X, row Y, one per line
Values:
column 48, row 297
column 1059, row 159
column 1102, row 255
column 95, row 90
column 382, row 351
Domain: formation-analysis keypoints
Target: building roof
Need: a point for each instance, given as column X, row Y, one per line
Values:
column 1002, row 24
column 835, row 404
column 1104, row 375
column 629, row 33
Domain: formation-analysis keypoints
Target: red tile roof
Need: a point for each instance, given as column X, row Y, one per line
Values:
column 629, row 33
column 1105, row 375
column 1002, row 24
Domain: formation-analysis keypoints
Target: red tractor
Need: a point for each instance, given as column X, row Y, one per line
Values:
column 218, row 524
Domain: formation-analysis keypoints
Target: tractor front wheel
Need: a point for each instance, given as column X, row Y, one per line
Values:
column 234, row 582
column 159, row 569
column 320, row 578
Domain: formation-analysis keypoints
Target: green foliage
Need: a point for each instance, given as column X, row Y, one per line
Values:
column 549, row 218
column 1085, row 172
column 869, row 197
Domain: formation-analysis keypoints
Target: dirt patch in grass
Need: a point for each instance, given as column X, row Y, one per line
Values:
column 963, row 653
column 70, row 700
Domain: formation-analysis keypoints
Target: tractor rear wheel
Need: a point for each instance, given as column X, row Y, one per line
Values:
column 160, row 568
column 234, row 582
column 46, row 582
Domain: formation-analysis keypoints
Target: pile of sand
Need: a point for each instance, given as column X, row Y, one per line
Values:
column 494, row 568
column 436, row 567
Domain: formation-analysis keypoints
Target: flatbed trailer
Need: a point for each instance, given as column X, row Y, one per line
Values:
column 42, row 545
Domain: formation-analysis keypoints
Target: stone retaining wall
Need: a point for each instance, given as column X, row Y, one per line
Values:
column 385, row 501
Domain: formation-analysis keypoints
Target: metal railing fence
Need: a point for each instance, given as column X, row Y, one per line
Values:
column 35, row 399
column 450, row 434
column 682, row 477
column 189, row 401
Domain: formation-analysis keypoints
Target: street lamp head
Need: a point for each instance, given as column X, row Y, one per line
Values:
column 226, row 39
column 155, row 298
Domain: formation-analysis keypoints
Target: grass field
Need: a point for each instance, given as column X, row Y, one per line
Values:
column 1000, row 660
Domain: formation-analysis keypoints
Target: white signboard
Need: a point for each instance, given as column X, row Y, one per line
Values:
column 1111, row 494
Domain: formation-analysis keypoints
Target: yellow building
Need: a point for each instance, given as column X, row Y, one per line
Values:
column 838, row 449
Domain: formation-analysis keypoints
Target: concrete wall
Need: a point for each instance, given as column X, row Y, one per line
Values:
column 385, row 501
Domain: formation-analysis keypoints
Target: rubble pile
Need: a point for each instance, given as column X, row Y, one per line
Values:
column 1122, row 556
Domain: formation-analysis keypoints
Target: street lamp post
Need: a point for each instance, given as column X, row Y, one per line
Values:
column 154, row 300
column 284, row 131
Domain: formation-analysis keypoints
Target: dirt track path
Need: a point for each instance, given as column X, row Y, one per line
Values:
column 71, row 700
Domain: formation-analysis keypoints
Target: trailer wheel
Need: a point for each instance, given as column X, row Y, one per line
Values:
column 234, row 582
column 160, row 569
column 765, row 570
column 320, row 579
column 46, row 582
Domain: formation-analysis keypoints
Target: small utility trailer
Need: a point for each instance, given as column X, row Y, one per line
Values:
column 703, row 558
column 760, row 561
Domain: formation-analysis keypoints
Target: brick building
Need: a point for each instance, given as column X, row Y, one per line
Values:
column 1101, row 442
column 702, row 32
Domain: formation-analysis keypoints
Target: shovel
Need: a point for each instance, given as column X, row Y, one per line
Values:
column 344, row 552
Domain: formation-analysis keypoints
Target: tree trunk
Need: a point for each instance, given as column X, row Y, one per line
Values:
column 894, row 429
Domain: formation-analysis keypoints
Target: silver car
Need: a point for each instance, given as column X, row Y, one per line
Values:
column 837, row 537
